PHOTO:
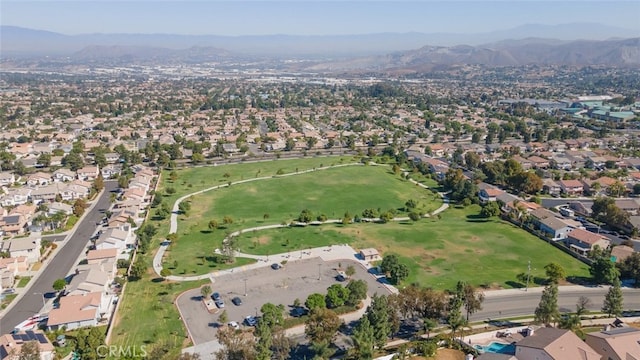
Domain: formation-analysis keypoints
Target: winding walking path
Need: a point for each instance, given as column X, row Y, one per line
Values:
column 326, row 253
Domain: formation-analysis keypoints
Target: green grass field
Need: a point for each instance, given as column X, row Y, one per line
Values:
column 438, row 252
column 331, row 192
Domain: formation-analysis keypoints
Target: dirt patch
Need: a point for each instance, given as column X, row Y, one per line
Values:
column 444, row 354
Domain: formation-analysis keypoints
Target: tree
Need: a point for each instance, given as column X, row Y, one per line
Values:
column 454, row 316
column 73, row 161
column 630, row 268
column 213, row 224
column 350, row 271
column 137, row 270
column 357, row 291
column 272, row 315
column 87, row 343
column 471, row 160
column 363, row 341
column 315, row 301
column 414, row 216
column 184, row 207
column 29, row 350
column 490, row 209
column 555, row 273
column 393, row 269
column 59, row 284
column 429, row 324
column 205, row 291
column 227, row 220
column 547, row 310
column 379, row 315
column 602, row 269
column 322, row 325
column 616, row 189
column 98, row 183
column 165, row 273
column 280, row 344
column 336, row 296
column 224, row 317
column 235, row 345
column 305, row 216
column 263, row 346
column 582, row 306
column 79, row 206
column 472, row 299
column 44, row 159
column 613, row 300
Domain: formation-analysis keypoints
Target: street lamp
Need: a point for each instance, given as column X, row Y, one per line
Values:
column 245, row 287
column 528, row 275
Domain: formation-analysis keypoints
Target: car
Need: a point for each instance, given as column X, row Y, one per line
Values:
column 234, row 325
column 298, row 311
column 251, row 320
column 236, row 301
column 217, row 299
column 276, row 266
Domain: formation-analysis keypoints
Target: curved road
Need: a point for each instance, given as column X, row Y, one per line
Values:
column 59, row 266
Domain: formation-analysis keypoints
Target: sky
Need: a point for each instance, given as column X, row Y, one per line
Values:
column 308, row 17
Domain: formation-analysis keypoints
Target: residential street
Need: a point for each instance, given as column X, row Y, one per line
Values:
column 58, row 267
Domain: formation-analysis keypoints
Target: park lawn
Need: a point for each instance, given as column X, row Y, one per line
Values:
column 148, row 316
column 333, row 192
column 190, row 180
column 438, row 252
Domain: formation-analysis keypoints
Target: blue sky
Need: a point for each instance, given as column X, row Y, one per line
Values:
column 308, row 17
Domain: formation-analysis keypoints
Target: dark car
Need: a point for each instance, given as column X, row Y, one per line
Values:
column 276, row 266
column 236, row 301
column 251, row 320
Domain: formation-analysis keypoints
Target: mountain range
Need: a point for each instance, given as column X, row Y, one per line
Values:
column 527, row 44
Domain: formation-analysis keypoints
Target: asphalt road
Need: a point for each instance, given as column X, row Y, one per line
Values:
column 59, row 266
column 521, row 303
column 54, row 237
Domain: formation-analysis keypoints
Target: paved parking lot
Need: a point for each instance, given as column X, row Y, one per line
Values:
column 297, row 279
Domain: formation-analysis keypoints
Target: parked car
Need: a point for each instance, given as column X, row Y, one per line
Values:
column 251, row 320
column 276, row 266
column 236, row 301
column 234, row 325
column 217, row 300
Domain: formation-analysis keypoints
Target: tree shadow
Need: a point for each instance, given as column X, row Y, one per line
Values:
column 157, row 280
column 515, row 284
column 206, row 231
column 581, row 280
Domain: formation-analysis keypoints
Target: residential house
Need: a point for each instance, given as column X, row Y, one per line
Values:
column 555, row 228
column 539, row 163
column 89, row 279
column 88, row 173
column 13, row 224
column 582, row 241
column 571, row 187
column 15, row 265
column 113, row 238
column 47, row 193
column 98, row 256
column 622, row 343
column 15, row 196
column 63, row 175
column 11, row 345
column 39, row 179
column 554, row 344
column 628, row 205
column 76, row 311
column 26, row 210
column 76, row 189
column 488, row 192
column 580, row 208
column 28, row 247
column 58, row 207
column 111, row 170
column 7, row 178
column 112, row 158
column 135, row 193
column 551, row 187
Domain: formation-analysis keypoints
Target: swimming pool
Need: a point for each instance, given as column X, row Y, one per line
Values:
column 496, row 347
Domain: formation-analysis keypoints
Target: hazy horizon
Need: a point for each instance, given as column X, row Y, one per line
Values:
column 335, row 17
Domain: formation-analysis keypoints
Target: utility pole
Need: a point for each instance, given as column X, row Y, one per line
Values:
column 245, row 287
column 528, row 275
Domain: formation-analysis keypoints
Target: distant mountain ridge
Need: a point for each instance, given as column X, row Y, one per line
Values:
column 624, row 52
column 16, row 41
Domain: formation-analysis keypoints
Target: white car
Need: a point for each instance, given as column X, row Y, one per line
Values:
column 234, row 325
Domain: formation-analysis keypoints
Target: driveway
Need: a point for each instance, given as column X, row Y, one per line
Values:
column 298, row 279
